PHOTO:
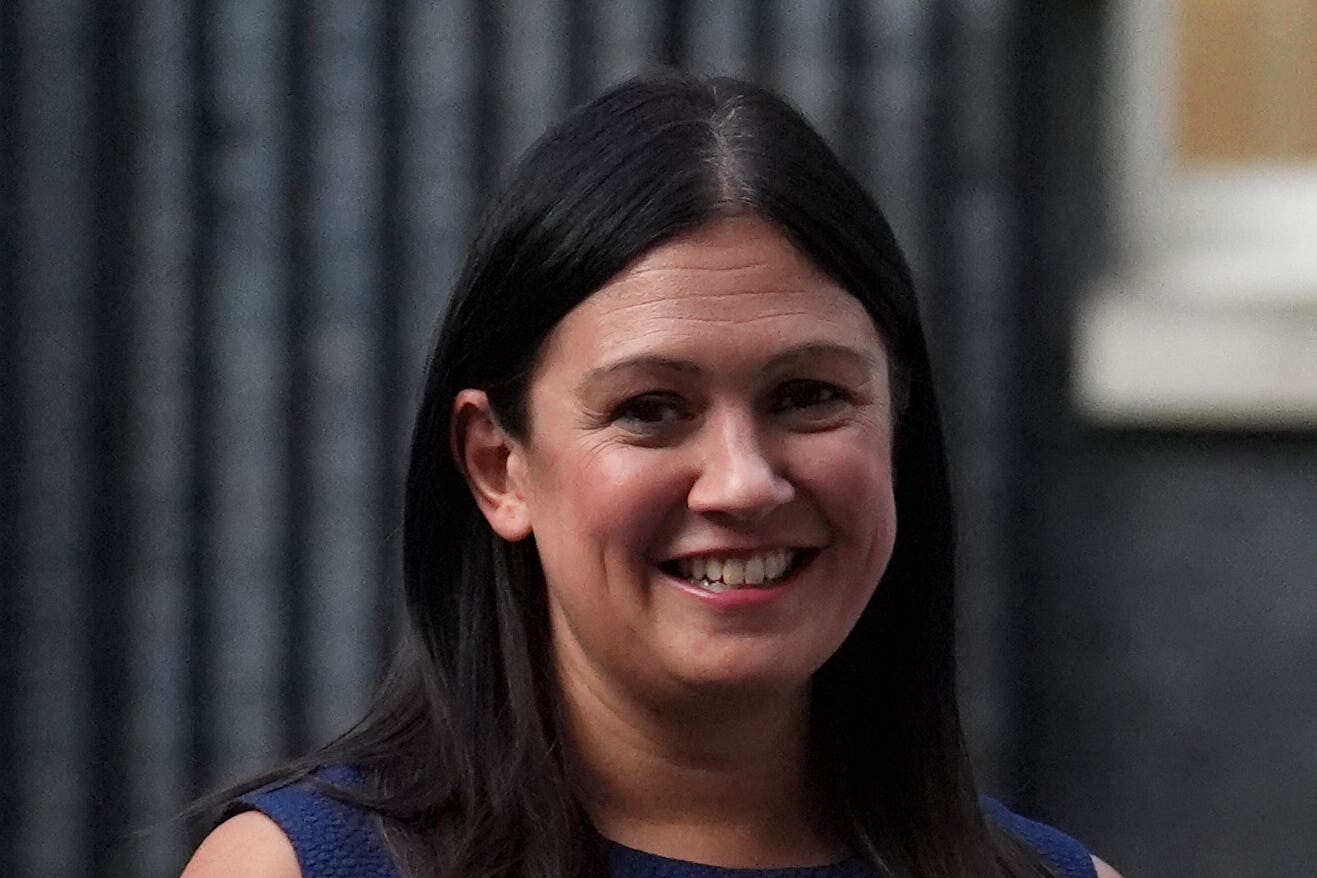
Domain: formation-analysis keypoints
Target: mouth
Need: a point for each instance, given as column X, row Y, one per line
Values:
column 722, row 573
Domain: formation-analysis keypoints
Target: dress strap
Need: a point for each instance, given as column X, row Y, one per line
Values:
column 332, row 839
column 1063, row 853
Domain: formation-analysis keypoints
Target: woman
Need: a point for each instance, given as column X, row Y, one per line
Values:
column 677, row 552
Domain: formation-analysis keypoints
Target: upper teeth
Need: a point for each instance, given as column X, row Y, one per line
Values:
column 719, row 574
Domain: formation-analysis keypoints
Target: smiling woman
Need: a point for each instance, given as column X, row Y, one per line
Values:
column 720, row 403
column 678, row 560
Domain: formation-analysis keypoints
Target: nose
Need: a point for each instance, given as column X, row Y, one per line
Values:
column 737, row 478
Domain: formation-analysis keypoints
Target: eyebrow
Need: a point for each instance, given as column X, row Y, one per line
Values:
column 814, row 350
column 654, row 362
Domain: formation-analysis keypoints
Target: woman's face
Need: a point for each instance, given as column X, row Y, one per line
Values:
column 707, row 470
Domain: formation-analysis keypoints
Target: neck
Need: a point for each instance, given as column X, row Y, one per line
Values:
column 716, row 780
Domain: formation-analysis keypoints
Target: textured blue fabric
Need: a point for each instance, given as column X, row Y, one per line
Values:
column 1065, row 855
column 335, row 840
column 332, row 839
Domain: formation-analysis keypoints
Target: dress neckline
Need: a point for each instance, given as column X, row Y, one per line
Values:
column 626, row 862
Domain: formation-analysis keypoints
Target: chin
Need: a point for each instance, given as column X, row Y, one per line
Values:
column 739, row 675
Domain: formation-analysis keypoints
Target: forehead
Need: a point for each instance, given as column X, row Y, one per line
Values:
column 739, row 279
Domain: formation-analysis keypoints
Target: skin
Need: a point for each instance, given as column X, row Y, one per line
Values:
column 249, row 845
column 720, row 396
column 1104, row 870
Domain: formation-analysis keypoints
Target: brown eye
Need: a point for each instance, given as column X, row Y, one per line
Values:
column 650, row 412
column 808, row 397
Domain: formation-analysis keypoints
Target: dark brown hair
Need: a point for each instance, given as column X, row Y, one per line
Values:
column 460, row 750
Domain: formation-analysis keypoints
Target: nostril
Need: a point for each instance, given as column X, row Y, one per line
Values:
column 744, row 488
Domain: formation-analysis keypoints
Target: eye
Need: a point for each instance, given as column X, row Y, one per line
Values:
column 651, row 413
column 809, row 398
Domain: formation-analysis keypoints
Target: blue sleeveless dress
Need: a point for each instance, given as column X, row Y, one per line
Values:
column 336, row 840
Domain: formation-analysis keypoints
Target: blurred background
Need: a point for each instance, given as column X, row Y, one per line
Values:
column 227, row 228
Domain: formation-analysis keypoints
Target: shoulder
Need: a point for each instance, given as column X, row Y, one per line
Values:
column 1104, row 870
column 1062, row 852
column 302, row 828
column 247, row 845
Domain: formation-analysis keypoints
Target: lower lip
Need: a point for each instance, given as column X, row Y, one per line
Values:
column 742, row 597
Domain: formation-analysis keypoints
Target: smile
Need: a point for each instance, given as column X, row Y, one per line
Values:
column 717, row 574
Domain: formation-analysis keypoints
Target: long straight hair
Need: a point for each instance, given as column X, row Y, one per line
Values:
column 461, row 752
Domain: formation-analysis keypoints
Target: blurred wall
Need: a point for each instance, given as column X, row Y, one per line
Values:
column 227, row 229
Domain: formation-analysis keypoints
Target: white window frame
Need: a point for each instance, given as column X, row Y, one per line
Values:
column 1208, row 317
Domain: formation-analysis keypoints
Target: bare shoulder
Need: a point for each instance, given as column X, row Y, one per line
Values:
column 247, row 845
column 1103, row 870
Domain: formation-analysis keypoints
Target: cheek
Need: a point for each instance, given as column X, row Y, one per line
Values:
column 854, row 486
column 614, row 498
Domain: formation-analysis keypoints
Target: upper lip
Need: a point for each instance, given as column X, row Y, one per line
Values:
column 742, row 551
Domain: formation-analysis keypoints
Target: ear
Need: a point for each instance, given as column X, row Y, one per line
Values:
column 493, row 464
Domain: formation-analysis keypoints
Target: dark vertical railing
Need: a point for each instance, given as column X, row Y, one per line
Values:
column 12, row 417
column 939, row 183
column 108, row 387
column 1053, row 164
column 672, row 49
column 581, row 39
column 298, row 287
column 390, row 360
column 1025, row 391
column 488, row 137
column 854, row 125
column 202, row 718
column 762, row 43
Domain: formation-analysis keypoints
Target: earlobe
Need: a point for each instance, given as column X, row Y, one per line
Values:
column 492, row 463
